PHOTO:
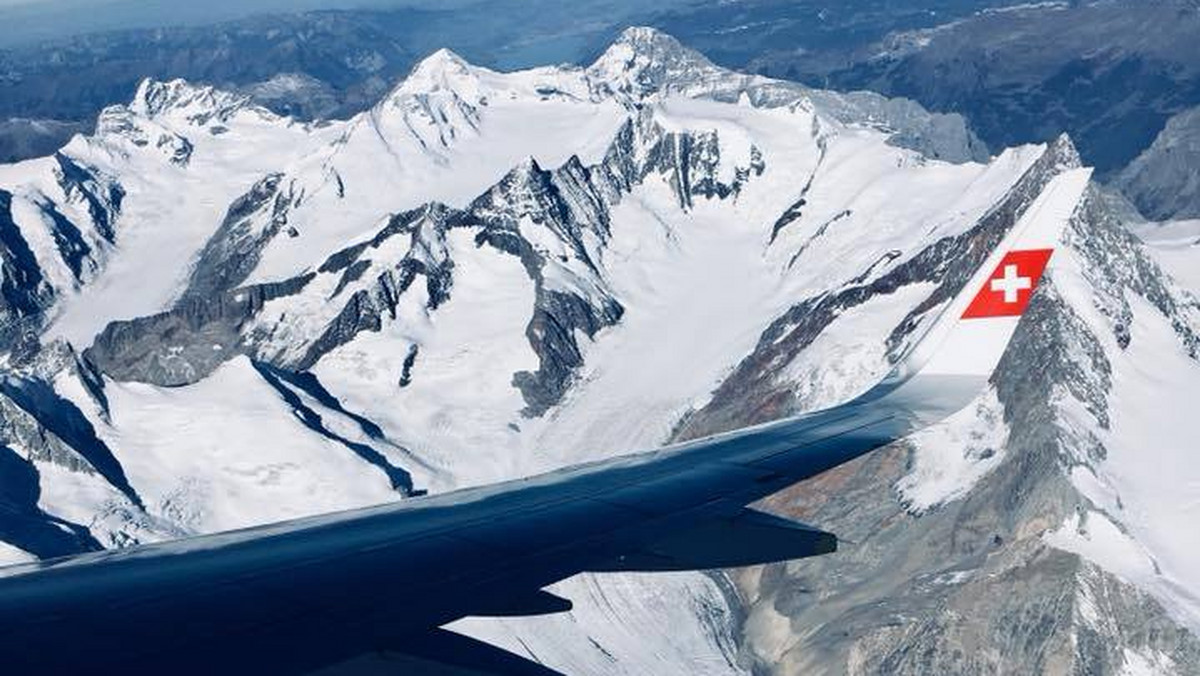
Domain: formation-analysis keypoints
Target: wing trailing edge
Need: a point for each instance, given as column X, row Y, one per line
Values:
column 749, row 538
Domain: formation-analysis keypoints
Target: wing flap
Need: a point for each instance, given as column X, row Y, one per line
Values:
column 749, row 538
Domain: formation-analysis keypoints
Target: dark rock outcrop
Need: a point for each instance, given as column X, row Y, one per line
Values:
column 188, row 342
column 234, row 249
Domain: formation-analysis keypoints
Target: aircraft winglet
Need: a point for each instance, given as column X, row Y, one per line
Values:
column 973, row 331
column 951, row 363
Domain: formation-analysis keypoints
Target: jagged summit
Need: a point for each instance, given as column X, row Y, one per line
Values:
column 522, row 185
column 650, row 41
column 442, row 69
column 643, row 61
column 640, row 62
column 167, row 119
column 528, row 166
column 156, row 97
column 1064, row 147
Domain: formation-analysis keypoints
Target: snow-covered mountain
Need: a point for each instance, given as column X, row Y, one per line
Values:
column 224, row 317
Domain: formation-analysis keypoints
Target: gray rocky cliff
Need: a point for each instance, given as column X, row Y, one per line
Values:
column 82, row 225
column 1164, row 180
column 232, row 252
column 41, row 428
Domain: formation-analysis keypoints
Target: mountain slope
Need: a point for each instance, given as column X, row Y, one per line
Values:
column 1162, row 181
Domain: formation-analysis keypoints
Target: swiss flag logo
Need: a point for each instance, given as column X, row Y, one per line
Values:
column 1007, row 291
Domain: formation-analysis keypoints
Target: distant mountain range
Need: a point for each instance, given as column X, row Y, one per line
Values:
column 213, row 315
column 1109, row 73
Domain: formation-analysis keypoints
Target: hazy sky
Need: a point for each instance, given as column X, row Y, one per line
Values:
column 51, row 3
column 33, row 20
column 246, row 5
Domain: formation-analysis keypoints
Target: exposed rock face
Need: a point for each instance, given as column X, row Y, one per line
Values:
column 79, row 209
column 101, row 196
column 967, row 587
column 367, row 307
column 1163, row 181
column 185, row 344
column 206, row 104
column 40, row 426
column 22, row 287
column 53, row 429
column 233, row 251
column 571, row 205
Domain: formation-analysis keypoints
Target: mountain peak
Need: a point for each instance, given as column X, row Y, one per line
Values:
column 156, row 97
column 436, row 104
column 643, row 61
column 1064, row 151
column 529, row 165
column 442, row 69
column 648, row 38
column 523, row 175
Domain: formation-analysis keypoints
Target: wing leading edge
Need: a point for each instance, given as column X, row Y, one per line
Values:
column 298, row 596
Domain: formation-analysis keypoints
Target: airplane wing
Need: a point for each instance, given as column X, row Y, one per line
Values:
column 298, row 596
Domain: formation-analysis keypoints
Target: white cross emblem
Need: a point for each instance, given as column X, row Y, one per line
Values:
column 1011, row 284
